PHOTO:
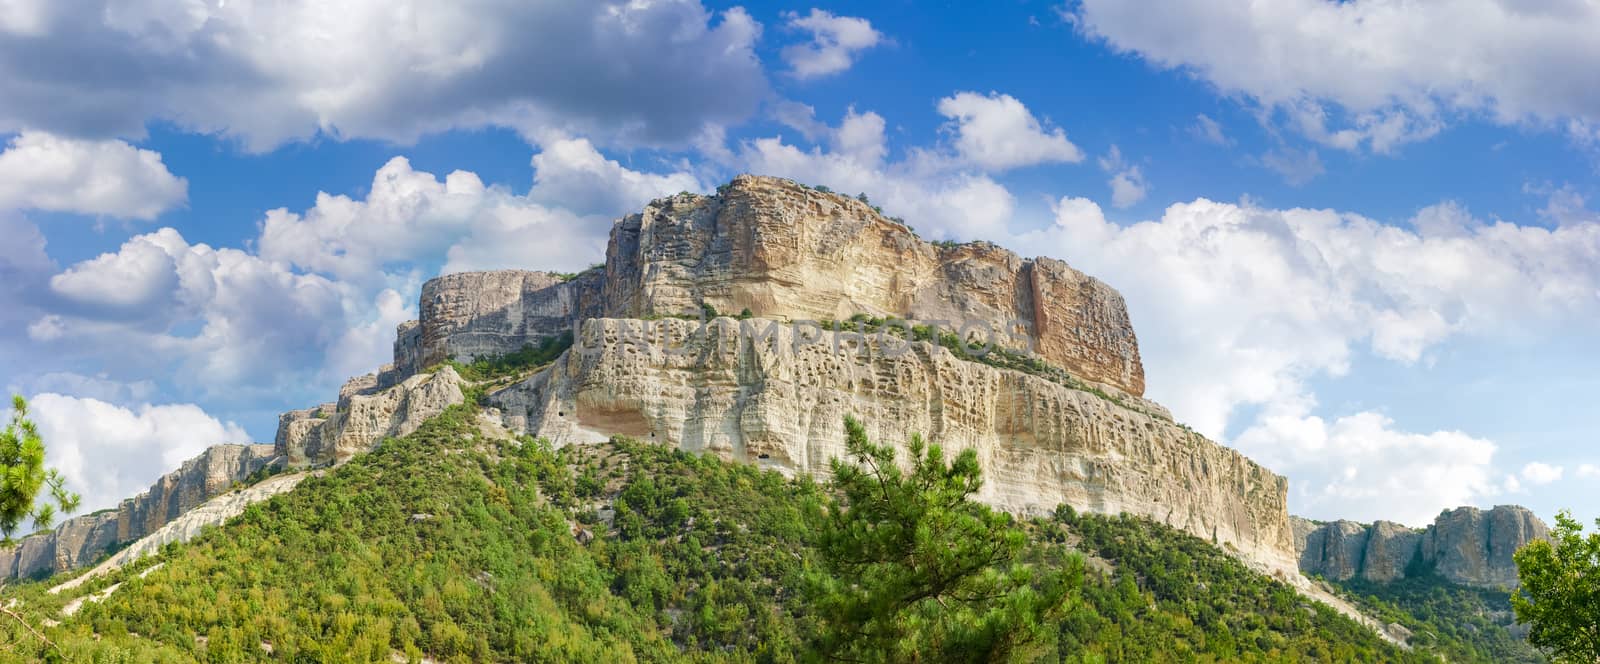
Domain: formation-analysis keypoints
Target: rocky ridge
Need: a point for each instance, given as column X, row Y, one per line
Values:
column 81, row 540
column 198, row 494
column 1465, row 545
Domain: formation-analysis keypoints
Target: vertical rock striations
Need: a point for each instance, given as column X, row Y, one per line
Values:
column 1465, row 545
column 81, row 540
column 783, row 250
column 732, row 391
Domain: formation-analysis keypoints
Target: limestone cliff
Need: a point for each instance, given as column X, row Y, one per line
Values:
column 81, row 540
column 733, row 390
column 364, row 415
column 783, row 250
column 1464, row 545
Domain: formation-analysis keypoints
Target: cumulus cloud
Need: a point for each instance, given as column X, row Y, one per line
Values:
column 1127, row 182
column 1361, row 467
column 572, row 174
column 637, row 72
column 1253, row 303
column 835, row 43
column 997, row 132
column 1373, row 73
column 108, row 177
column 108, row 453
column 319, row 297
column 1588, row 471
column 1539, row 473
column 226, row 315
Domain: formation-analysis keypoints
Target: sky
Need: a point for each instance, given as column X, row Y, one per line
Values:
column 1357, row 239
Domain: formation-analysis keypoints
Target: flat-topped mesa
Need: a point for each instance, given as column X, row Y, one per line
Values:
column 783, row 250
column 1465, row 545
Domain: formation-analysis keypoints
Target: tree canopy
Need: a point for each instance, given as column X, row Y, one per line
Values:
column 1560, row 594
column 913, row 569
column 23, row 475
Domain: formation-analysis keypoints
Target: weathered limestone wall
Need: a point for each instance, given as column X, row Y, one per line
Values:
column 1466, row 545
column 1041, row 444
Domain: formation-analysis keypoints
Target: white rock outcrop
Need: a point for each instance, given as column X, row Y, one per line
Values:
column 782, row 405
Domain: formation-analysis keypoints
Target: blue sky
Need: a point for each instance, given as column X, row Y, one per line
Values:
column 1358, row 249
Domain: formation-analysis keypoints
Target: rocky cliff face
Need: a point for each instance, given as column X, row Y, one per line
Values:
column 80, row 540
column 1464, row 545
column 364, row 415
column 734, row 391
column 782, row 250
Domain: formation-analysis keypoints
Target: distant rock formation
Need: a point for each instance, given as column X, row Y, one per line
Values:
column 81, row 540
column 363, row 416
column 1465, row 545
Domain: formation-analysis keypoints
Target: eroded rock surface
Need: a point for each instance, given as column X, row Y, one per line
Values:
column 364, row 415
column 780, row 405
column 1465, row 545
column 783, row 250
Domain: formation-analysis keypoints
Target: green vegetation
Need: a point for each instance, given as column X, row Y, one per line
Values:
column 569, row 276
column 912, row 569
column 446, row 545
column 23, row 476
column 1560, row 594
column 1459, row 623
column 495, row 367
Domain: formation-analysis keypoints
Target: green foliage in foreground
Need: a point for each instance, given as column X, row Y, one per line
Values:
column 912, row 569
column 23, row 476
column 1560, row 595
column 445, row 545
column 1458, row 623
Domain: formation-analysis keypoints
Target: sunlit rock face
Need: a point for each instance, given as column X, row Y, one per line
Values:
column 747, row 391
column 783, row 250
column 1465, row 545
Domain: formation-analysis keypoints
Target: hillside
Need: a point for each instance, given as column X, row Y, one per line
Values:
column 455, row 545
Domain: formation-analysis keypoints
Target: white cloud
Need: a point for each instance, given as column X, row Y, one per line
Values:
column 412, row 216
column 108, row 453
column 997, row 133
column 1539, row 473
column 1588, row 471
column 636, row 72
column 1360, row 467
column 572, row 174
column 100, row 386
column 1387, row 73
column 1252, row 302
column 1208, row 130
column 45, row 172
column 319, row 300
column 1127, row 182
column 1296, row 166
column 835, row 42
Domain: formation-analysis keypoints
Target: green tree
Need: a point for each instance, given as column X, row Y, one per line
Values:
column 1560, row 594
column 913, row 570
column 23, row 475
